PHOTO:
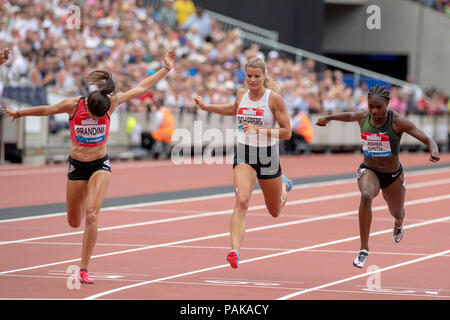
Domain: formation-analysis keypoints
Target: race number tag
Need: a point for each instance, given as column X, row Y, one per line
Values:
column 376, row 145
column 250, row 115
column 90, row 134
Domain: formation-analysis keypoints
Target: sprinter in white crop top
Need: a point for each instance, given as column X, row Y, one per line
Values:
column 259, row 114
column 262, row 120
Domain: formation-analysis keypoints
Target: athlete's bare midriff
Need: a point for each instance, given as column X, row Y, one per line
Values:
column 385, row 164
column 87, row 154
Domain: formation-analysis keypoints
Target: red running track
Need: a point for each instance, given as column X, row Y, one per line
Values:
column 176, row 250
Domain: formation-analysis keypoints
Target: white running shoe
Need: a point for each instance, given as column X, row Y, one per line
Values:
column 361, row 258
column 397, row 234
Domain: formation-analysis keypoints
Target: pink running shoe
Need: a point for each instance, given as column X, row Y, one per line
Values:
column 233, row 258
column 84, row 277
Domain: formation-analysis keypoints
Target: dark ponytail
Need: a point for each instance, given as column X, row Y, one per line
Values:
column 98, row 100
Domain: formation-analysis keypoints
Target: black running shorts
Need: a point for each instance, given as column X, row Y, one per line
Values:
column 79, row 170
column 385, row 178
column 264, row 160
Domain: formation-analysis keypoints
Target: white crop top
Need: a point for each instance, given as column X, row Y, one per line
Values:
column 257, row 113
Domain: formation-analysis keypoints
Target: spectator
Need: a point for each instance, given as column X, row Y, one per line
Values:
column 19, row 72
column 310, row 66
column 66, row 82
column 184, row 9
column 38, row 73
column 200, row 21
column 399, row 101
column 302, row 132
column 168, row 15
column 164, row 124
column 360, row 92
column 329, row 103
column 121, row 37
column 5, row 35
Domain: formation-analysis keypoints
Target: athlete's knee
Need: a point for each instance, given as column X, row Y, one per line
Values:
column 274, row 212
column 74, row 219
column 91, row 217
column 366, row 198
column 242, row 201
column 74, row 223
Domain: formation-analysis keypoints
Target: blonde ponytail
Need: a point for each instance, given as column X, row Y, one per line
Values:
column 271, row 84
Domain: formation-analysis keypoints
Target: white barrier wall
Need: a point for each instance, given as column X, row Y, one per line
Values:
column 39, row 146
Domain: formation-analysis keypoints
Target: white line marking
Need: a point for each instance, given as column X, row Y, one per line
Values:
column 264, row 257
column 226, row 248
column 435, row 294
column 195, row 216
column 290, row 223
column 431, row 256
column 326, row 217
column 222, row 212
column 223, row 195
column 412, row 292
column 222, row 247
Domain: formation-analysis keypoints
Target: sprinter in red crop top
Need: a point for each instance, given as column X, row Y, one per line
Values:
column 89, row 168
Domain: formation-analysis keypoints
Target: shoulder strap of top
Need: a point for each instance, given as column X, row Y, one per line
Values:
column 76, row 109
column 267, row 96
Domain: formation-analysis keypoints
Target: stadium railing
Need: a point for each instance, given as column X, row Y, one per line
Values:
column 228, row 23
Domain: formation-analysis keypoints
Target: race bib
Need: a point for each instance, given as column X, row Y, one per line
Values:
column 90, row 134
column 250, row 115
column 376, row 145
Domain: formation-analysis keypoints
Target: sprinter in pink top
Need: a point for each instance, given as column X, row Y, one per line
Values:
column 86, row 131
column 89, row 167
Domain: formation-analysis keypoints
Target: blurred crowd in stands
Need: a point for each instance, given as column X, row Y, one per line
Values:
column 54, row 46
column 440, row 5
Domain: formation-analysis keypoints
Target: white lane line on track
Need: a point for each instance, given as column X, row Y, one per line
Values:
column 301, row 221
column 412, row 292
column 188, row 217
column 391, row 291
column 222, row 212
column 270, row 256
column 223, row 195
column 227, row 248
column 399, row 265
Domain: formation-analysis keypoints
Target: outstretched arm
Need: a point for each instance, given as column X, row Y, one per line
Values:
column 223, row 109
column 410, row 128
column 146, row 84
column 344, row 116
column 66, row 106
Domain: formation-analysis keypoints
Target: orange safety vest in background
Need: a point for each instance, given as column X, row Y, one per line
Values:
column 305, row 129
column 167, row 127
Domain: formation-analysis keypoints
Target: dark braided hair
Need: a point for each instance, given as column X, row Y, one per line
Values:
column 379, row 91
